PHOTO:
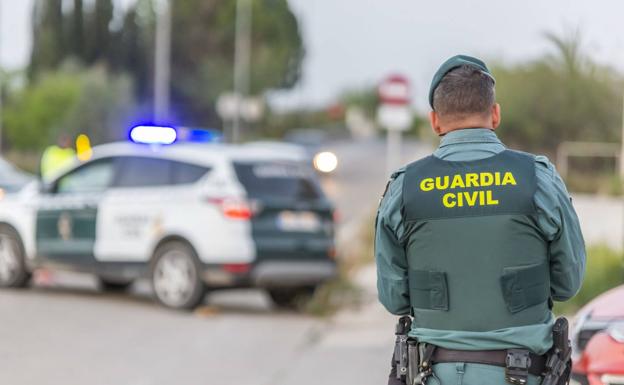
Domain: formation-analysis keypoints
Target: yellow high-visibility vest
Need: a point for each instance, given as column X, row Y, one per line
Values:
column 54, row 159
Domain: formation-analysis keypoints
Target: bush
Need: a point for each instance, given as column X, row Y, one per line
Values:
column 605, row 270
column 594, row 183
column 70, row 101
column 341, row 292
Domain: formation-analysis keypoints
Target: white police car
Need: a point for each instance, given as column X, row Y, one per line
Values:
column 189, row 216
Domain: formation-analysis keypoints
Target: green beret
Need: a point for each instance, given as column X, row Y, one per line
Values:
column 452, row 63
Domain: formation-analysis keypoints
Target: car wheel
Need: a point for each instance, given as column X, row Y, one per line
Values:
column 13, row 271
column 106, row 284
column 176, row 276
column 291, row 298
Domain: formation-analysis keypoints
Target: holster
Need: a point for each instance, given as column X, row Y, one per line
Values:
column 400, row 358
column 413, row 361
column 559, row 362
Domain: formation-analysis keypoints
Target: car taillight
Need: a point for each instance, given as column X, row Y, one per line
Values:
column 234, row 208
column 237, row 268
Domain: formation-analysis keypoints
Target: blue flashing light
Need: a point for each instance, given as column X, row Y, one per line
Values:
column 199, row 135
column 153, row 134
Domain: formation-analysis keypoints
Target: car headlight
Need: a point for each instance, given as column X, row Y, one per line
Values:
column 325, row 161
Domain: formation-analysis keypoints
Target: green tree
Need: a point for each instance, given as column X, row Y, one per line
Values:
column 71, row 101
column 134, row 48
column 48, row 43
column 75, row 37
column 562, row 96
column 202, row 47
column 98, row 33
column 203, row 52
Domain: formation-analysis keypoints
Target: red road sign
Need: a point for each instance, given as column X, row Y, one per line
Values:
column 395, row 90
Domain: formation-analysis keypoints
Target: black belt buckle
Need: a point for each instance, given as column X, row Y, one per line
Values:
column 517, row 364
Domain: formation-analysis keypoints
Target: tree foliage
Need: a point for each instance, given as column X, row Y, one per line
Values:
column 203, row 36
column 559, row 97
column 70, row 101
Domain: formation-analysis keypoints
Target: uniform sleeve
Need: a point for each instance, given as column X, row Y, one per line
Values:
column 560, row 225
column 389, row 252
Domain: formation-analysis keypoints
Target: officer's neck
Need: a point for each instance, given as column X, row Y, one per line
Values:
column 476, row 122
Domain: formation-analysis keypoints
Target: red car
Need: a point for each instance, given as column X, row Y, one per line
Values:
column 598, row 341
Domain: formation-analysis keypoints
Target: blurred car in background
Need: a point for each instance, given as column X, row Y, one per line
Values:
column 598, row 340
column 11, row 178
column 189, row 216
column 314, row 141
column 602, row 360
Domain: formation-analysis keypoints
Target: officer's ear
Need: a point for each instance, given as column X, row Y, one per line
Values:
column 434, row 119
column 496, row 115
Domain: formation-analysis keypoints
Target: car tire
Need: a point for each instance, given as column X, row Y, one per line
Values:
column 13, row 270
column 291, row 298
column 110, row 285
column 176, row 276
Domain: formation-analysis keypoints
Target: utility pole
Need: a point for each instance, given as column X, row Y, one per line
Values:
column 242, row 57
column 162, row 67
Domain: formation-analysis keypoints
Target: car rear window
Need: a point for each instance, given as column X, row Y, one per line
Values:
column 184, row 173
column 151, row 172
column 143, row 172
column 266, row 180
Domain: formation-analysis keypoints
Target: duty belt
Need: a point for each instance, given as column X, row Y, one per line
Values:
column 413, row 361
column 536, row 364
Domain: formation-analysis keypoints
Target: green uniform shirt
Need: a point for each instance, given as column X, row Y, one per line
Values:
column 557, row 222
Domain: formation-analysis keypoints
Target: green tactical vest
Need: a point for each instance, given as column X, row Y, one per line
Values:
column 477, row 260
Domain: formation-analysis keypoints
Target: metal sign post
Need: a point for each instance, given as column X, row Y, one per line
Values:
column 395, row 115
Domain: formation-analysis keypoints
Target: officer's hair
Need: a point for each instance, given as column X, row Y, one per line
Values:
column 462, row 92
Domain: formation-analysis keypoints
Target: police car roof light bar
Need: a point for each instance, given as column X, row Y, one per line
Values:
column 153, row 134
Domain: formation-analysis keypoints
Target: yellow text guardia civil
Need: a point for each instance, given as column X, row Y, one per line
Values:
column 468, row 180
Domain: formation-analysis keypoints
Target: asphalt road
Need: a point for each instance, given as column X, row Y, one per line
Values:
column 63, row 331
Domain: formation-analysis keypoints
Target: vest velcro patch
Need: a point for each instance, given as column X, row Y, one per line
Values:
column 502, row 184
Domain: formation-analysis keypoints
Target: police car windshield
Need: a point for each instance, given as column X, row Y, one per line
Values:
column 277, row 180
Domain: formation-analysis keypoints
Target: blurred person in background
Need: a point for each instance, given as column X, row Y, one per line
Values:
column 476, row 241
column 57, row 157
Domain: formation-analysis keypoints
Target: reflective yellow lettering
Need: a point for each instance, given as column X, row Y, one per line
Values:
column 426, row 184
column 457, row 182
column 491, row 201
column 460, row 200
column 472, row 180
column 481, row 198
column 497, row 180
column 509, row 179
column 447, row 200
column 438, row 183
column 471, row 197
column 486, row 179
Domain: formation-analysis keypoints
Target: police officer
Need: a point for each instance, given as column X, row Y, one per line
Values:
column 477, row 240
column 57, row 157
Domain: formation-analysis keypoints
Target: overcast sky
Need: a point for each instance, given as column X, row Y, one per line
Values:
column 353, row 43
